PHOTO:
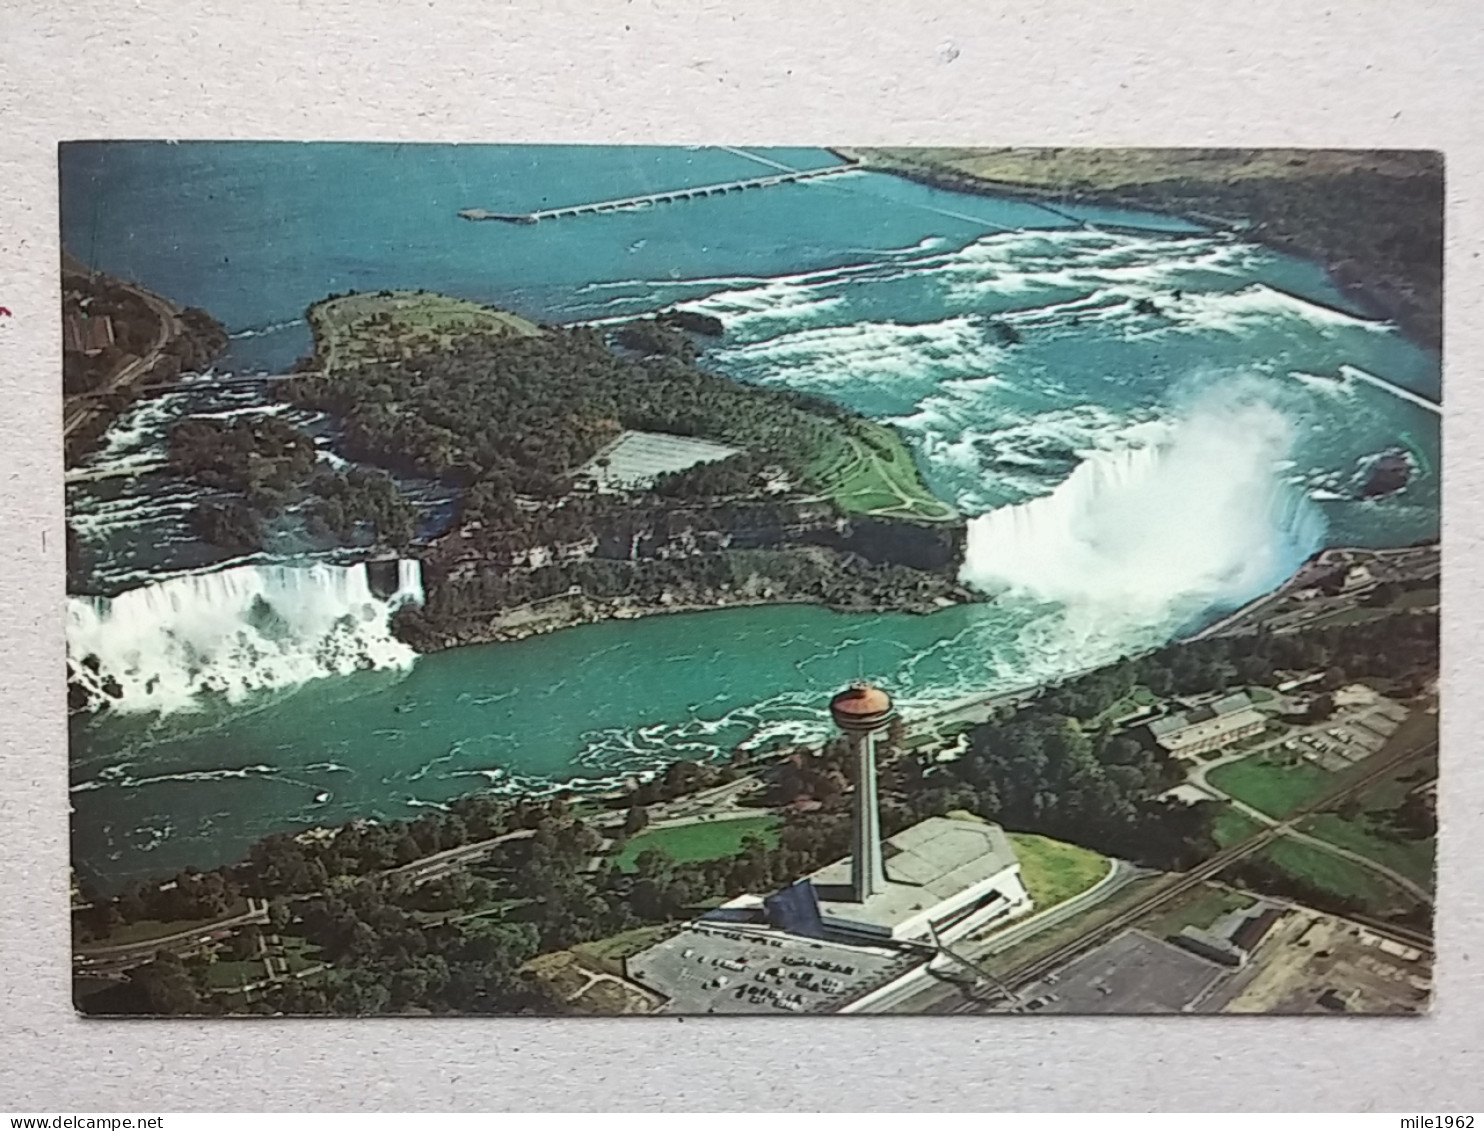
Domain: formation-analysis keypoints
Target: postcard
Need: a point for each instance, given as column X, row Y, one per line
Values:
column 780, row 581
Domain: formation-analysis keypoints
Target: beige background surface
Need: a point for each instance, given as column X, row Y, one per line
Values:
column 1362, row 73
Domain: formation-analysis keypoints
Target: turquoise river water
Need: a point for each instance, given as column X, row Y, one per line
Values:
column 1127, row 472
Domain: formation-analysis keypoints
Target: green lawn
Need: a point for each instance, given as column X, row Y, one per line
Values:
column 362, row 327
column 1338, row 875
column 1233, row 826
column 704, row 841
column 1417, row 598
column 229, row 974
column 1198, row 908
column 615, row 948
column 1368, row 835
column 1274, row 787
column 872, row 472
column 1054, row 871
column 1368, row 828
column 300, row 954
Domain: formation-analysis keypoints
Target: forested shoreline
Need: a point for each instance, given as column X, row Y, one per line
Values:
column 112, row 329
column 1372, row 218
column 1055, row 766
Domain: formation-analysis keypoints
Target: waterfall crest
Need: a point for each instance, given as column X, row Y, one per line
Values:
column 1157, row 536
column 163, row 646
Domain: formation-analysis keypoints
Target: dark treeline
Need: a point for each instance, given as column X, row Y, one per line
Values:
column 653, row 338
column 520, row 413
column 256, row 454
column 815, row 576
column 693, row 321
column 1056, row 767
column 135, row 328
column 735, row 475
column 90, row 297
column 269, row 467
column 396, row 946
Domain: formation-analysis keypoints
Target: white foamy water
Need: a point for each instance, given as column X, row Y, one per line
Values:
column 823, row 358
column 234, row 631
column 1148, row 538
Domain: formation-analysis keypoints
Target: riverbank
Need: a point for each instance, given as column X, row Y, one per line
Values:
column 116, row 337
column 1372, row 218
column 571, row 609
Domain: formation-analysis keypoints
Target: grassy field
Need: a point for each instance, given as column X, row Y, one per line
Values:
column 1233, row 826
column 1417, row 598
column 1415, row 859
column 409, row 320
column 1265, row 783
column 1337, row 875
column 1198, row 908
column 1370, row 832
column 705, row 841
column 228, row 974
column 300, row 954
column 874, row 473
column 1054, row 871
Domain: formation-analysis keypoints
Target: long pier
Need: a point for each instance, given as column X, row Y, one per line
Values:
column 665, row 197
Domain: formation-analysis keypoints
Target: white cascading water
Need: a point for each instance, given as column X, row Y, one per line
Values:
column 229, row 633
column 1135, row 544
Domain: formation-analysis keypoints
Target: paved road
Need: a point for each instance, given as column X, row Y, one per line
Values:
column 913, row 997
column 425, row 867
column 257, row 912
column 75, row 414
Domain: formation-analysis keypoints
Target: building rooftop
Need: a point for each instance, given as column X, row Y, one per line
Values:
column 637, row 459
column 860, row 706
column 1174, row 738
column 861, row 699
column 1212, row 720
column 931, row 862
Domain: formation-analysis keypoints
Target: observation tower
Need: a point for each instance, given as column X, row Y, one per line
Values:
column 863, row 712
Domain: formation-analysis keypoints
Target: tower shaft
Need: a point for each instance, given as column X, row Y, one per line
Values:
column 867, row 864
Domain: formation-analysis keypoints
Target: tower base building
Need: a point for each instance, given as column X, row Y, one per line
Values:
column 945, row 877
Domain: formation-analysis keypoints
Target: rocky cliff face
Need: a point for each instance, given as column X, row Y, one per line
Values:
column 641, row 533
column 651, row 557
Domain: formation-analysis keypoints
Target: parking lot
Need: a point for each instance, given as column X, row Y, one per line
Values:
column 716, row 969
column 1351, row 736
column 1133, row 973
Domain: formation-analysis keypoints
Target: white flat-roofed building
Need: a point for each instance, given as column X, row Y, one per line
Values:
column 1211, row 734
column 944, row 876
column 1208, row 727
column 636, row 459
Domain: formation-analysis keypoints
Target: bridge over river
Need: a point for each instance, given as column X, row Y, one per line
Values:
column 666, row 197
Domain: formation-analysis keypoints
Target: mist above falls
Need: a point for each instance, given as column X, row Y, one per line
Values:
column 1144, row 540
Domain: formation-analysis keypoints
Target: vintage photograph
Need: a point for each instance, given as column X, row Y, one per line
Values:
column 520, row 579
